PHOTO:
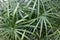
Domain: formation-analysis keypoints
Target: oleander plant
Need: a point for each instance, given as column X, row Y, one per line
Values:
column 29, row 19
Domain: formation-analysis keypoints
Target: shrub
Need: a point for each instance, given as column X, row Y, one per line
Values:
column 30, row 20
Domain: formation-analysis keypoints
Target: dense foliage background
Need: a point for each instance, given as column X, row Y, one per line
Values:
column 29, row 19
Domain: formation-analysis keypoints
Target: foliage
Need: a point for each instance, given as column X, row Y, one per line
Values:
column 30, row 20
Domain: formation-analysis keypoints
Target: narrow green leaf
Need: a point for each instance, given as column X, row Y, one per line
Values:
column 20, row 21
column 16, row 9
